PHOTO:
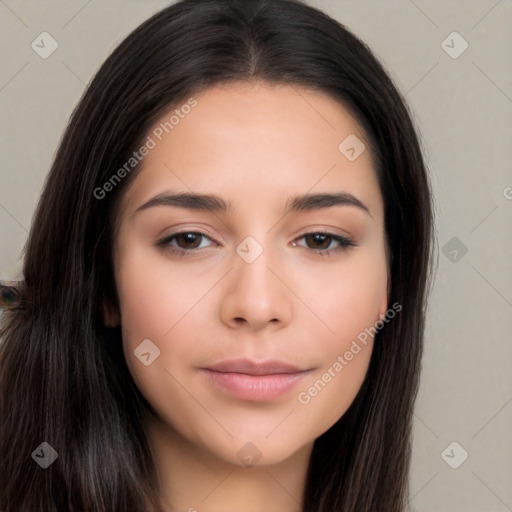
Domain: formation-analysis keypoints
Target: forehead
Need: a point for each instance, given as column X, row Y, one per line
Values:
column 254, row 143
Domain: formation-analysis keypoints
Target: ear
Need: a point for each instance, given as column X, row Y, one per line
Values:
column 110, row 313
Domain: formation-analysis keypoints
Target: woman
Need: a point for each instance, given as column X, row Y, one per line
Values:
column 273, row 363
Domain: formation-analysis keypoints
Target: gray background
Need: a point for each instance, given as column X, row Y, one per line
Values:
column 462, row 109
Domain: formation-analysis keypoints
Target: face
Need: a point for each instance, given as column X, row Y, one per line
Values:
column 257, row 274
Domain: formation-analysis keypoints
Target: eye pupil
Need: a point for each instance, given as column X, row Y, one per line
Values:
column 188, row 238
column 320, row 237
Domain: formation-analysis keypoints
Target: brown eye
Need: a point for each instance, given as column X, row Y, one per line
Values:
column 188, row 240
column 184, row 243
column 320, row 240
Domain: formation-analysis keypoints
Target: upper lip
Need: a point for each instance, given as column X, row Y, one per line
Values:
column 269, row 367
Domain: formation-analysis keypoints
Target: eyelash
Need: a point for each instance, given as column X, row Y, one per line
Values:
column 344, row 242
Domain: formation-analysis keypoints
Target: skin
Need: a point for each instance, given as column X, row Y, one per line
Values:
column 255, row 145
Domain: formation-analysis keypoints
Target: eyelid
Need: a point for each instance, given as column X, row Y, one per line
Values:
column 187, row 228
column 332, row 231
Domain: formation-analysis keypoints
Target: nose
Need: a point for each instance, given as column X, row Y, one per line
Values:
column 256, row 294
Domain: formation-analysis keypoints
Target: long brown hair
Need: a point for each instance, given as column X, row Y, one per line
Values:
column 63, row 377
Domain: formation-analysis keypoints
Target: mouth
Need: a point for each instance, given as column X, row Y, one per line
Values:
column 254, row 381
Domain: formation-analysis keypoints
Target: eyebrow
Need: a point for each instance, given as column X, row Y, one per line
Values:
column 214, row 203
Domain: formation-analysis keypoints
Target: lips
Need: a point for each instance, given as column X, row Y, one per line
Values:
column 252, row 380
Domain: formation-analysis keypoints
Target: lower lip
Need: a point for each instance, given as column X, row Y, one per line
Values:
column 254, row 387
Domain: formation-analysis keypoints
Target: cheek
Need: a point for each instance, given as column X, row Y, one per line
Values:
column 153, row 296
column 158, row 304
column 348, row 297
column 332, row 389
column 152, row 310
column 349, row 305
